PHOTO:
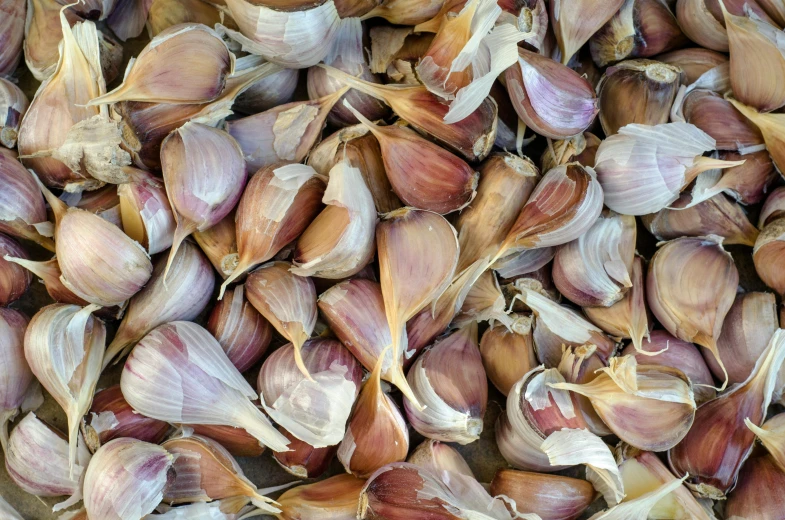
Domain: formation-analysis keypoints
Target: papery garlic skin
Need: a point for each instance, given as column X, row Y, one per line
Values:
column 18, row 381
column 146, row 214
column 770, row 434
column 14, row 279
column 580, row 148
column 126, row 479
column 551, row 497
column 210, row 390
column 164, row 14
column 21, row 203
column 13, row 105
column 574, row 22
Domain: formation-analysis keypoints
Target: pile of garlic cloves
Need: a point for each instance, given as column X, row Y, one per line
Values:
column 392, row 259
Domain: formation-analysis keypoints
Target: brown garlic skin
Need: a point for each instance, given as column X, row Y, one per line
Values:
column 767, row 255
column 759, row 493
column 303, row 460
column 508, row 354
column 237, row 441
column 552, row 497
column 693, row 61
column 710, row 112
column 14, row 279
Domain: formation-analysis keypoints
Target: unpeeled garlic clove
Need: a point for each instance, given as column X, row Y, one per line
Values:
column 13, row 105
column 767, row 255
column 773, row 209
column 21, row 203
column 716, row 116
column 438, row 457
column 533, row 264
column 406, row 12
column 719, row 441
column 104, row 202
column 269, row 92
column 703, row 22
column 14, row 279
column 508, row 354
column 12, row 30
column 164, row 14
column 64, row 345
column 580, row 148
column 759, row 492
column 693, row 62
column 574, row 22
column 747, row 183
column 455, row 403
column 18, row 389
column 237, row 441
column 552, row 497
column 37, row 460
column 277, row 206
column 183, row 296
column 242, row 332
column 770, row 434
column 126, row 479
column 146, row 214
column 219, row 243
column 772, row 126
column 303, row 460
column 213, row 391
column 336, row 498
column 287, row 301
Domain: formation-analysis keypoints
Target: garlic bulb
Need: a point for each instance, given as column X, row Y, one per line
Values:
column 13, row 105
column 551, row 497
column 209, row 389
column 146, row 214
column 22, row 206
column 278, row 204
column 303, row 460
column 14, row 279
column 313, row 410
column 767, row 255
column 454, row 396
column 759, row 492
column 287, row 301
column 64, row 346
column 508, row 354
column 126, row 479
column 190, row 158
column 218, row 243
column 575, row 22
column 37, row 460
column 437, row 457
column 335, row 498
column 183, row 296
column 18, row 389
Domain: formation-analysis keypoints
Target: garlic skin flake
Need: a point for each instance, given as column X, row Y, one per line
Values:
column 179, row 373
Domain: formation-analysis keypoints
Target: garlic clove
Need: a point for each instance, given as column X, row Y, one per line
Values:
column 770, row 434
column 552, row 497
column 287, row 301
column 771, row 126
column 580, row 148
column 437, row 457
column 406, row 12
column 716, row 116
column 636, row 91
column 303, row 460
column 508, row 354
column 277, row 206
column 268, row 92
column 164, row 14
column 183, row 358
column 64, row 345
column 767, row 255
column 14, row 279
column 127, row 19
column 759, row 492
column 336, row 498
column 719, row 441
column 104, row 202
column 18, row 387
column 13, row 105
column 146, row 214
column 219, row 243
column 455, row 403
column 693, row 62
column 183, row 296
column 773, row 209
column 126, row 479
column 574, row 22
column 242, row 332
column 22, row 206
column 703, row 22
column 237, row 441
column 533, row 262
column 12, row 30
column 749, row 182
column 581, row 365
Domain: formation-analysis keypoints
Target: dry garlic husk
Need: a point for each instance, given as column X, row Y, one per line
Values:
column 204, row 471
column 376, row 433
column 773, row 209
column 508, row 354
column 423, row 174
column 580, row 148
column 187, row 51
column 714, row 216
column 661, row 397
column 484, row 301
column 339, row 242
column 770, row 434
column 287, row 301
column 437, row 457
column 636, row 91
column 14, row 278
column 166, row 13
column 64, row 346
column 716, row 116
column 640, row 29
column 269, row 92
column 18, row 388
column 146, row 214
column 126, row 479
column 472, row 137
column 411, row 280
column 313, row 410
column 242, row 332
column 182, row 296
column 335, row 498
column 534, row 411
column 759, row 492
column 37, row 460
column 574, row 22
column 552, row 99
column 552, row 497
column 22, row 206
column 595, row 269
column 296, row 35
column 303, row 460
column 12, row 30
column 13, row 105
column 690, row 287
column 278, row 204
column 693, row 62
column 506, row 182
column 237, row 441
column 641, row 506
column 556, row 325
column 772, row 126
column 719, row 441
column 767, row 255
column 112, row 417
column 454, row 396
column 529, row 16
column 219, row 243
column 190, row 158
column 182, row 360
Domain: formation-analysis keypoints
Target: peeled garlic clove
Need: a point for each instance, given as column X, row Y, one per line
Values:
column 767, row 255
column 237, row 441
column 667, row 158
column 303, row 460
column 580, row 148
column 21, row 203
column 287, row 301
column 508, row 354
column 276, row 207
column 180, row 297
column 210, row 389
column 219, row 243
column 146, row 214
column 574, row 22
column 164, row 14
column 14, row 279
column 719, row 441
column 242, row 332
column 205, row 471
column 636, row 91
column 18, row 386
column 772, row 126
column 336, row 497
column 37, row 460
column 315, row 411
column 13, row 105
column 126, row 479
column 552, row 497
column 12, row 30
column 759, row 492
column 111, row 417
column 717, row 117
column 437, row 457
column 376, row 434
column 552, row 99
column 455, row 403
column 64, row 345
column 269, row 92
column 693, row 62
column 506, row 182
column 773, row 209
